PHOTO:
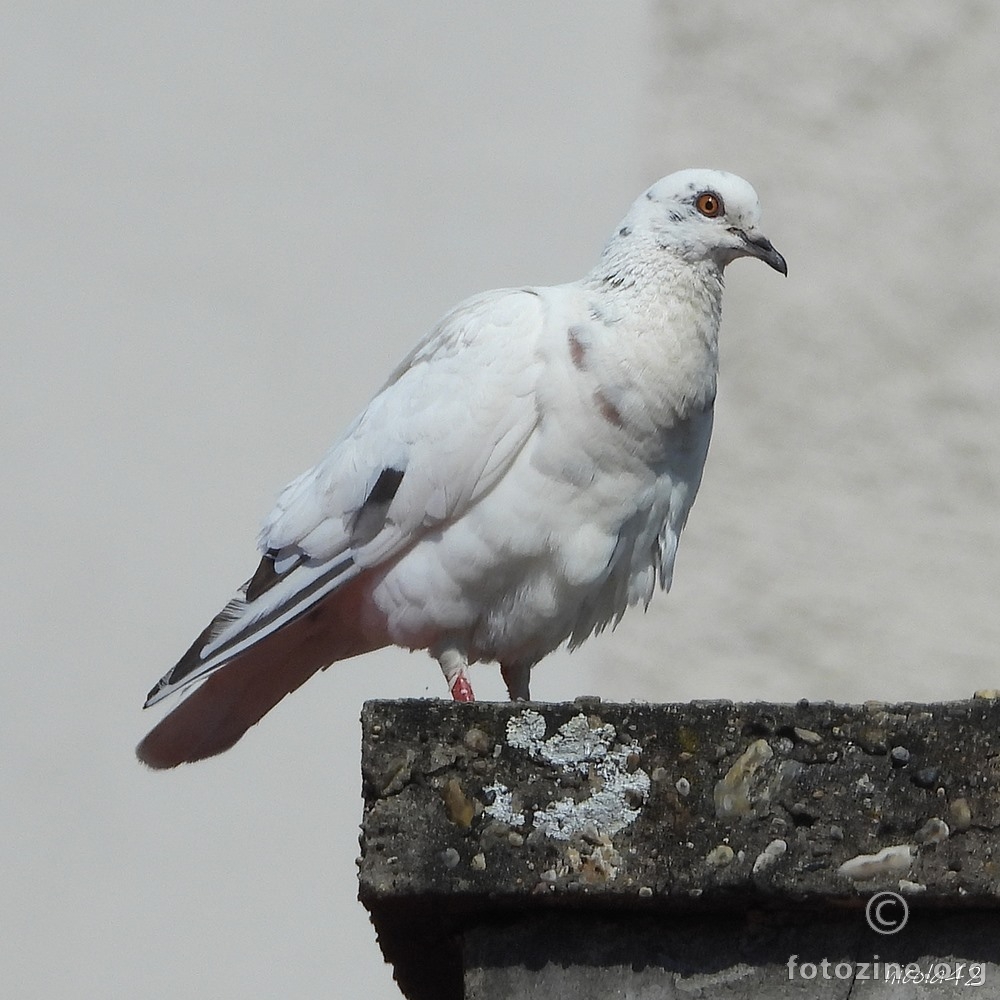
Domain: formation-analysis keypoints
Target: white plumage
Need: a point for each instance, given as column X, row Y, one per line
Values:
column 521, row 479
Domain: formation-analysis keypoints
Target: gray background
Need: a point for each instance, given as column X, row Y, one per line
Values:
column 220, row 227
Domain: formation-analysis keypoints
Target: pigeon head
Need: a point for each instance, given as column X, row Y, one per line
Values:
column 704, row 215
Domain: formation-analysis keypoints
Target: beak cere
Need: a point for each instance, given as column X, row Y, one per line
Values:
column 760, row 247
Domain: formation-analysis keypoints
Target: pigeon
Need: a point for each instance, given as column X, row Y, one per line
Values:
column 519, row 482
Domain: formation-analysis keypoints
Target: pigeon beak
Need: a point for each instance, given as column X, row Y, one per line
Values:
column 759, row 246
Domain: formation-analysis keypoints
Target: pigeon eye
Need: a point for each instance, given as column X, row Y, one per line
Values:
column 709, row 204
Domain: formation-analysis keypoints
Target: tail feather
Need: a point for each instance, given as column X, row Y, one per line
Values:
column 240, row 693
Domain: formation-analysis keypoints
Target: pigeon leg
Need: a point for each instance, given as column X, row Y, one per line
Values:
column 516, row 676
column 453, row 665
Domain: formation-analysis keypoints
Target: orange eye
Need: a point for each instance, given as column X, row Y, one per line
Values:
column 709, row 204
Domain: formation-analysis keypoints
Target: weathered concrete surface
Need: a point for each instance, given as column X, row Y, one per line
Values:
column 727, row 956
column 782, row 818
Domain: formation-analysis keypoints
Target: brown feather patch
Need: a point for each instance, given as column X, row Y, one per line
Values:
column 608, row 410
column 577, row 350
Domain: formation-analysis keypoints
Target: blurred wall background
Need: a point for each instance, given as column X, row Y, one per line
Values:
column 223, row 224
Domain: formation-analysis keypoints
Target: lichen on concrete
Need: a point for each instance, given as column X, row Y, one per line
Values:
column 619, row 786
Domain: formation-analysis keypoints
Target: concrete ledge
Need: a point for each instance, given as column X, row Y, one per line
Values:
column 704, row 839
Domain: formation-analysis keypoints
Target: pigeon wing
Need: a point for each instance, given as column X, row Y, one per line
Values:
column 438, row 435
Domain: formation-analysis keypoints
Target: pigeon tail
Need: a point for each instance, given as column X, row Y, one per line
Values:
column 239, row 694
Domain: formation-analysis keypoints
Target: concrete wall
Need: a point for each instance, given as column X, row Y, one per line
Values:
column 712, row 849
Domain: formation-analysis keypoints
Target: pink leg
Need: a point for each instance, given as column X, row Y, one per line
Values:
column 461, row 690
column 453, row 665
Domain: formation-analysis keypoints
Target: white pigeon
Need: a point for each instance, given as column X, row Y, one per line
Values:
column 519, row 482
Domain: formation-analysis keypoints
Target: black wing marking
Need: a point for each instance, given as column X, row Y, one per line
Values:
column 370, row 519
column 266, row 576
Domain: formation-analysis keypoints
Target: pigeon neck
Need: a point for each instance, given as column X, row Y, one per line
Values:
column 636, row 263
column 655, row 281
